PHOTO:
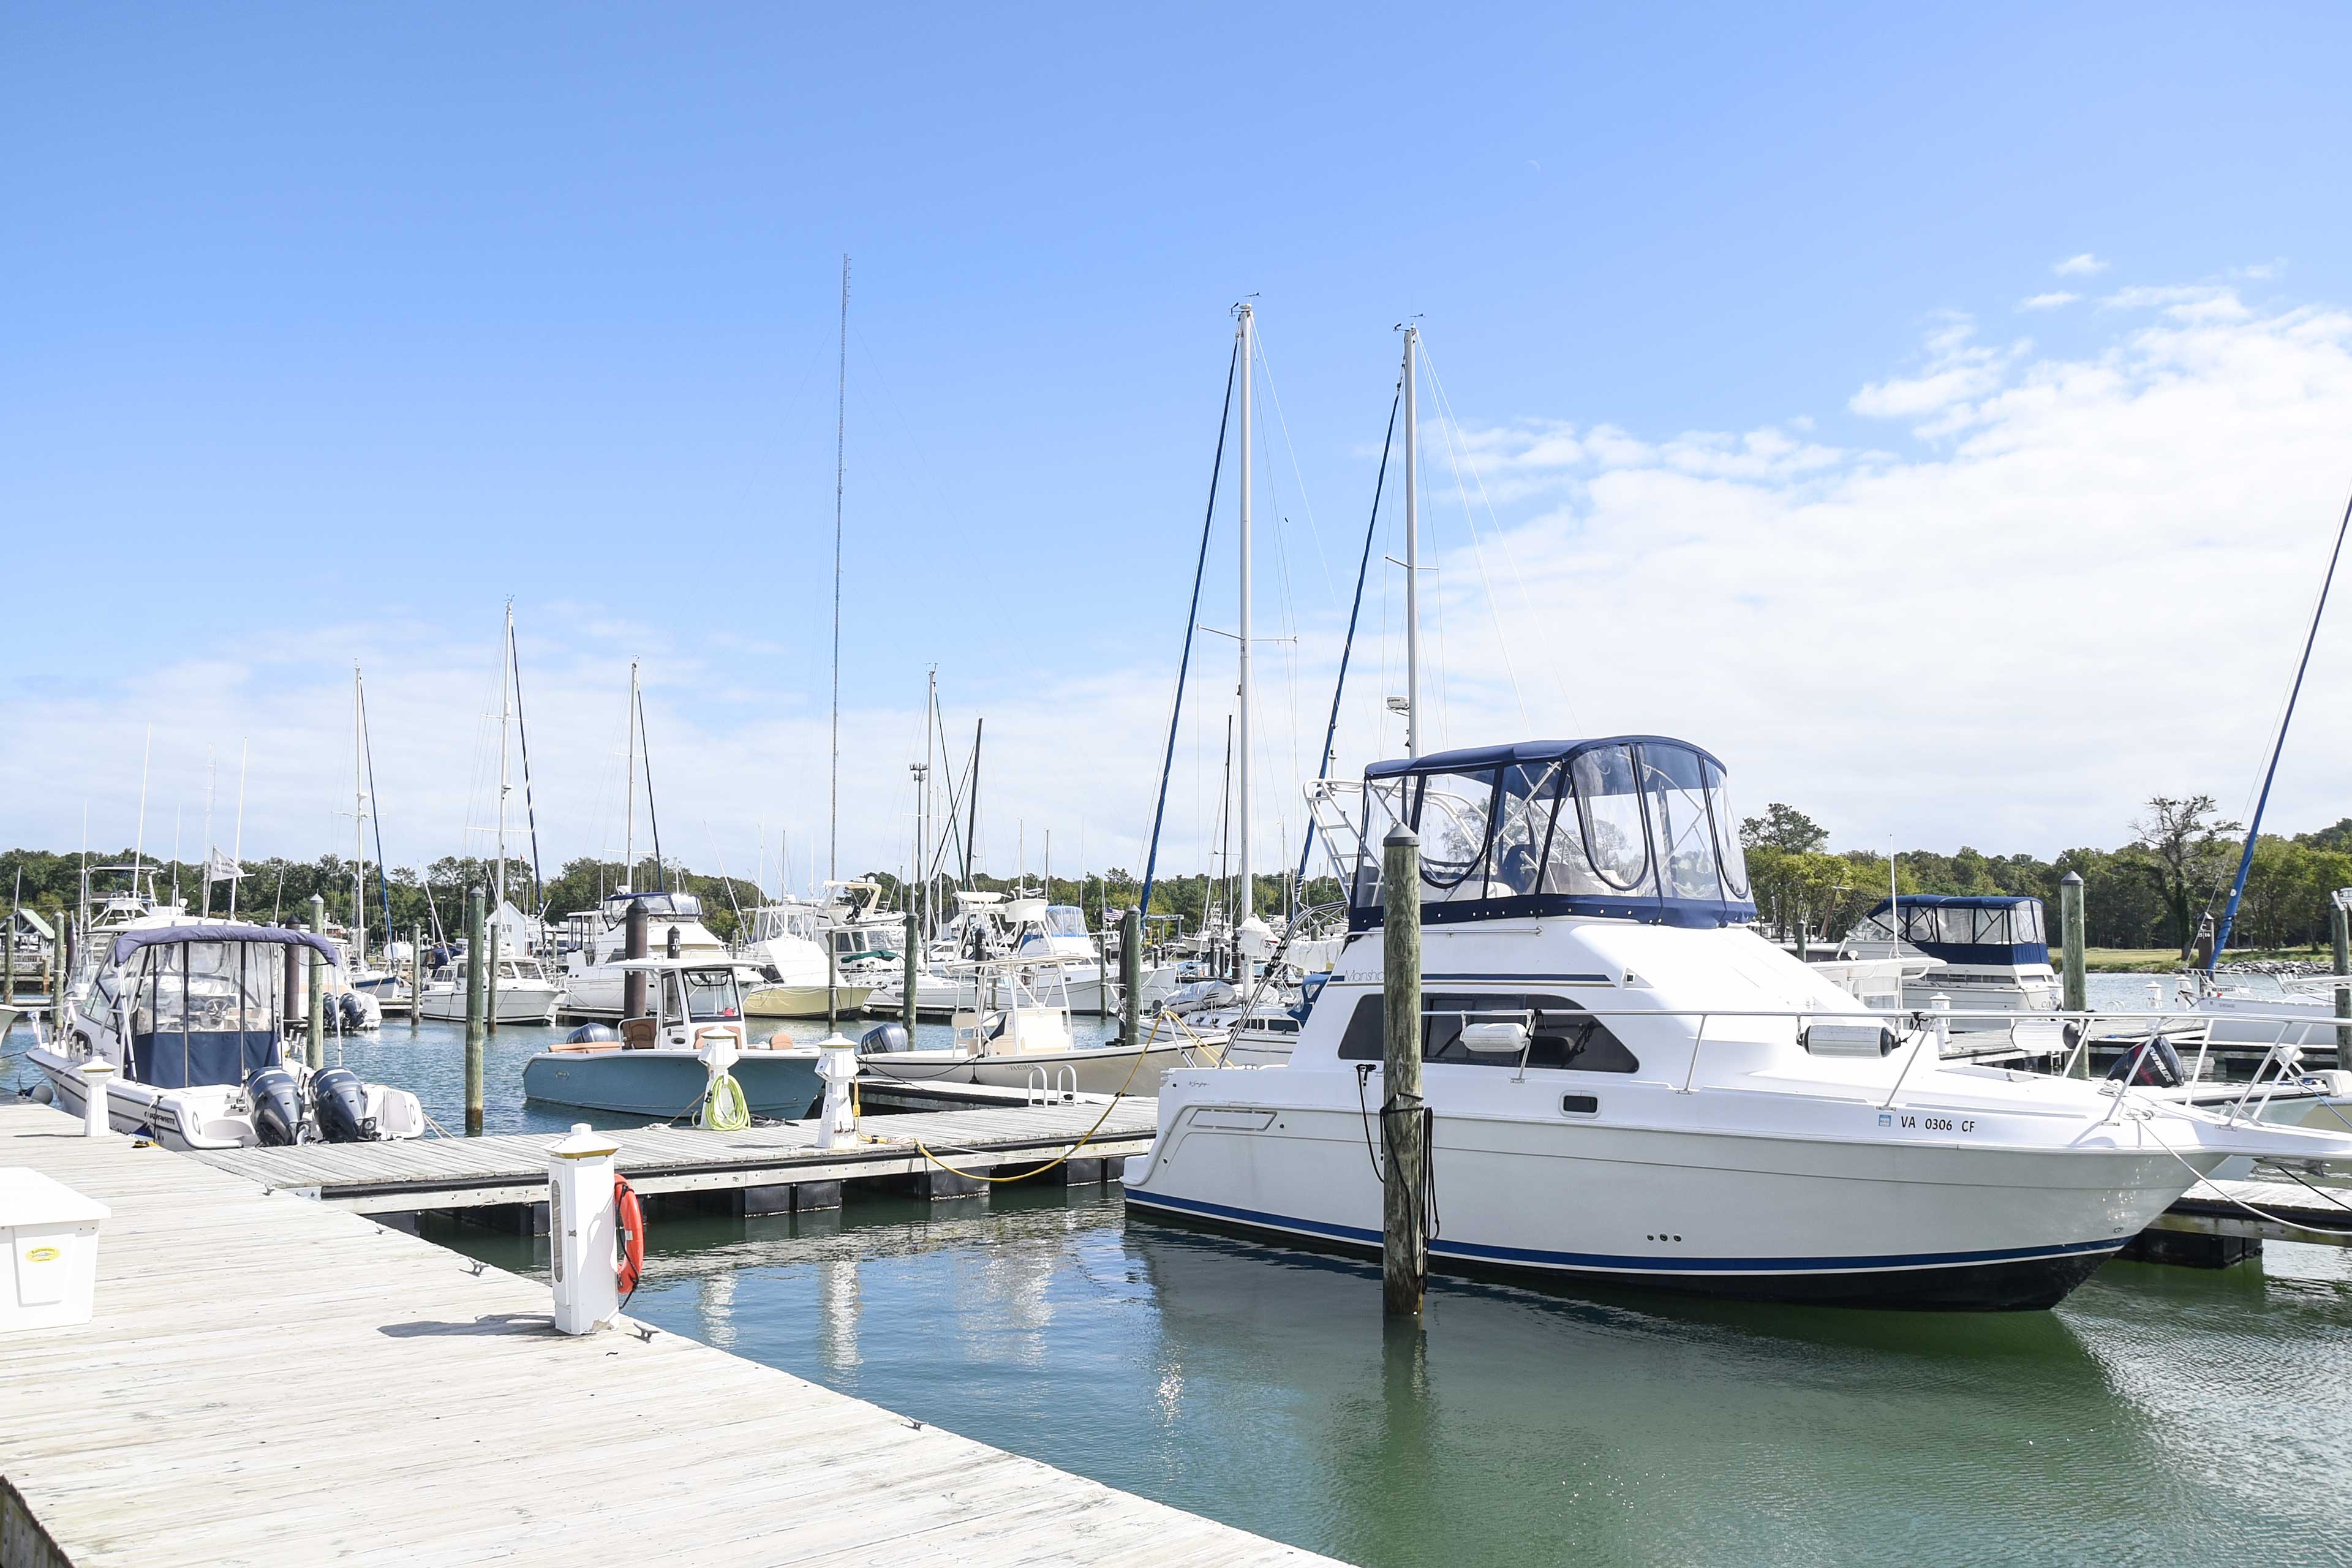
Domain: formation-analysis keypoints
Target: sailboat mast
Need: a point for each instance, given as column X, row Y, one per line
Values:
column 930, row 719
column 840, row 469
column 506, row 706
column 359, row 826
column 629, row 809
column 1412, row 549
column 1241, row 782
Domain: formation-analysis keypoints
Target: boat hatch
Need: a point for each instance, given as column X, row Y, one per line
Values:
column 1633, row 827
column 1965, row 927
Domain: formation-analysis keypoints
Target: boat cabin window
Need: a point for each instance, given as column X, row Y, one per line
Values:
column 202, row 1012
column 1063, row 920
column 710, row 994
column 1609, row 812
column 1562, row 1036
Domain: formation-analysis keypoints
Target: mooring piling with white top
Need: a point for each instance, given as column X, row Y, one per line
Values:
column 314, row 1048
column 583, row 1231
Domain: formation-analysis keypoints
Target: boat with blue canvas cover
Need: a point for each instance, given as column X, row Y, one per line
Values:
column 660, row 1064
column 1626, row 1085
column 191, row 1016
column 1991, row 951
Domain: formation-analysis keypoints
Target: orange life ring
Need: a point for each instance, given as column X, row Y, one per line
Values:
column 629, row 1214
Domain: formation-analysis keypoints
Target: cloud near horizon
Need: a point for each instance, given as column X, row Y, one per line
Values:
column 2026, row 593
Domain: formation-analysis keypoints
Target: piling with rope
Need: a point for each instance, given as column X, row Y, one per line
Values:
column 474, row 1034
column 1405, row 1236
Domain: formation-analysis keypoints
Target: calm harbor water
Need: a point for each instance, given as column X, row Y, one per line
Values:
column 2160, row 1415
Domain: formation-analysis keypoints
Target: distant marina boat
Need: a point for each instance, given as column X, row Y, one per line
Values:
column 1990, row 952
column 660, row 1064
column 191, row 1016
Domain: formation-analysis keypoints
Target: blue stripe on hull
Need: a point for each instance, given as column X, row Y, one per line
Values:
column 1532, row 1257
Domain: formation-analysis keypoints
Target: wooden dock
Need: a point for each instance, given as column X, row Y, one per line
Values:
column 509, row 1168
column 272, row 1382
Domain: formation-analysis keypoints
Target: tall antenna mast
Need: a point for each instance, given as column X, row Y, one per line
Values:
column 358, row 823
column 506, row 706
column 840, row 454
column 1241, row 789
column 1412, row 549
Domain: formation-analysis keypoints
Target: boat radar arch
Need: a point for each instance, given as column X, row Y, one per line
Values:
column 1636, row 827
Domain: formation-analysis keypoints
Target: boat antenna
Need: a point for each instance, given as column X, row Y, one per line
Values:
column 2246, row 857
column 1331, row 732
column 653, row 812
column 971, row 798
column 236, row 848
column 1412, row 545
column 629, row 788
column 1191, row 624
column 138, row 846
column 367, row 742
column 1247, row 901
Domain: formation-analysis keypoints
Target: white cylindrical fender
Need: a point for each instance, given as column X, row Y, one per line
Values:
column 837, row 1064
column 96, row 1074
column 582, row 1234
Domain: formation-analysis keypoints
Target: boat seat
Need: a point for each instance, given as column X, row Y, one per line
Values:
column 640, row 1034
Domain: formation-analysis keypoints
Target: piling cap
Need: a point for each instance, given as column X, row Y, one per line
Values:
column 96, row 1067
column 584, row 1142
column 2072, row 878
column 1400, row 836
column 836, row 1041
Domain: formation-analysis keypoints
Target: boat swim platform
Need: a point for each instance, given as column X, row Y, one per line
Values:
column 270, row 1383
column 1005, row 1132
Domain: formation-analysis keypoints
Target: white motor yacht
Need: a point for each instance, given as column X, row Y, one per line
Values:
column 1627, row 1085
column 521, row 990
column 1990, row 952
column 597, row 941
column 192, row 1018
column 786, row 955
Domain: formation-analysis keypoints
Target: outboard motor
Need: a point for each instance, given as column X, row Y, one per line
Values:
column 881, row 1039
column 339, row 1102
column 277, row 1107
column 591, row 1035
column 354, row 1011
column 2158, row 1066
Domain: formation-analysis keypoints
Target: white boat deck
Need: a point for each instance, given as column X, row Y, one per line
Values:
column 273, row 1382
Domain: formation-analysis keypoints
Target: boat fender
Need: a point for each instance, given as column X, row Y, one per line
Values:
column 629, row 1215
column 276, row 1110
column 881, row 1039
column 591, row 1035
column 339, row 1104
column 2152, row 1063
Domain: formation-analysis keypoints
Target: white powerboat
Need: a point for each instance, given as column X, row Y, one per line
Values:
column 787, row 957
column 191, row 1017
column 1626, row 1085
column 592, row 976
column 663, row 1063
column 521, row 990
column 1991, row 953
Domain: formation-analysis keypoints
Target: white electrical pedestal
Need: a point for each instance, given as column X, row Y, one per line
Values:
column 837, row 1064
column 96, row 1074
column 48, row 1238
column 583, row 1231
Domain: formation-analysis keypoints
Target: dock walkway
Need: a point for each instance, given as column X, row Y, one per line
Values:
column 512, row 1167
column 274, row 1382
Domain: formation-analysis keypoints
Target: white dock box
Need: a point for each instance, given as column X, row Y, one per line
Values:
column 49, row 1234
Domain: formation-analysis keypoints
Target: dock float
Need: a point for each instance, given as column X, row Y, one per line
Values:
column 270, row 1382
column 506, row 1168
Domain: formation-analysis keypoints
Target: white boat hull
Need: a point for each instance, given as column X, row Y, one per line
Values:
column 1108, row 1070
column 802, row 1001
column 519, row 1002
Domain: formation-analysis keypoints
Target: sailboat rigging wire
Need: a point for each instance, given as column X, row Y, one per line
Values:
column 1192, row 623
column 1314, row 529
column 646, row 754
column 529, row 806
column 1477, row 553
column 382, row 872
column 2246, row 859
column 1364, row 567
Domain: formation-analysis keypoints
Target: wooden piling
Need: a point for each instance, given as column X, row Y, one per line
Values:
column 490, row 977
column 474, row 1035
column 314, row 1048
column 2339, row 927
column 2075, row 997
column 1130, row 976
column 909, row 969
column 636, row 942
column 1404, row 1237
column 415, row 976
column 11, row 958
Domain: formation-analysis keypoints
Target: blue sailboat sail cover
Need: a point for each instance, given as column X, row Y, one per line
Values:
column 1629, row 828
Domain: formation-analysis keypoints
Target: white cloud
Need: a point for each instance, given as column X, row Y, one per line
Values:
column 2083, row 266
column 2048, row 302
column 2007, row 640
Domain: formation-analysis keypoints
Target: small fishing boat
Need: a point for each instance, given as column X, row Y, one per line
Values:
column 192, row 1017
column 660, row 1064
column 521, row 989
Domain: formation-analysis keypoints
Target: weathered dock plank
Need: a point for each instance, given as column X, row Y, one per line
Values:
column 270, row 1381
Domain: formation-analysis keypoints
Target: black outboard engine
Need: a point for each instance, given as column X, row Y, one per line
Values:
column 277, row 1107
column 353, row 1011
column 2158, row 1065
column 338, row 1103
column 883, row 1037
column 591, row 1035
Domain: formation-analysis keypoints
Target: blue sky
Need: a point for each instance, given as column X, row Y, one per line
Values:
column 328, row 329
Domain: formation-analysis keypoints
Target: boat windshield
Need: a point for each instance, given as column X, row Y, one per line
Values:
column 1639, row 828
column 1065, row 920
column 710, row 996
column 202, row 1012
column 1964, row 928
column 658, row 906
